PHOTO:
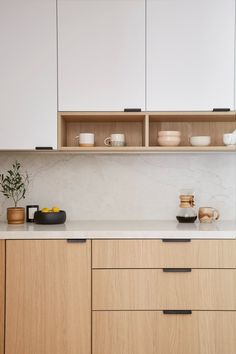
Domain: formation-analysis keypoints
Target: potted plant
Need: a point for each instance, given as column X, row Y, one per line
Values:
column 14, row 185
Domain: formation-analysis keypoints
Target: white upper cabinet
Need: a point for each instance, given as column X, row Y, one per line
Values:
column 101, row 55
column 190, row 54
column 28, row 82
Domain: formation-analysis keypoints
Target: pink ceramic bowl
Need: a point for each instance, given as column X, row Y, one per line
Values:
column 169, row 140
column 173, row 133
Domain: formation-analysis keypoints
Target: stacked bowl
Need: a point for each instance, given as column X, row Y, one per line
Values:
column 169, row 138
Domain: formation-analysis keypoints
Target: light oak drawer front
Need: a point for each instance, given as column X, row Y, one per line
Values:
column 2, row 294
column 152, row 332
column 154, row 289
column 159, row 254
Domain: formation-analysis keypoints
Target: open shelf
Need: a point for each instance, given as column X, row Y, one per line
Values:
column 102, row 125
column 141, row 130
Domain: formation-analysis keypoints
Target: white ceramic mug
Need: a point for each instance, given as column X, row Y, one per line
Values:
column 229, row 139
column 85, row 139
column 115, row 140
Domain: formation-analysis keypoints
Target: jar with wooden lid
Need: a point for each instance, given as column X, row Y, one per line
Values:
column 187, row 212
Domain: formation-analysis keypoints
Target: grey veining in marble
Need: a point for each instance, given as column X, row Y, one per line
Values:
column 126, row 187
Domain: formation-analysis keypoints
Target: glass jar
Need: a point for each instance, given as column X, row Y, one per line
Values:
column 187, row 212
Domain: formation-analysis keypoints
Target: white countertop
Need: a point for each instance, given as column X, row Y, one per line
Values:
column 119, row 229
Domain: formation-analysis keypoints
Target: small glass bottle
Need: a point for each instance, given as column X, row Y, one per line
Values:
column 187, row 212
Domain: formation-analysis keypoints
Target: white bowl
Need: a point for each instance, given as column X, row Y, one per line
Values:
column 229, row 139
column 169, row 140
column 169, row 133
column 203, row 140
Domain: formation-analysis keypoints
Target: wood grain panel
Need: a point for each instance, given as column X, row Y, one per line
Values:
column 133, row 132
column 156, row 333
column 48, row 304
column 2, row 294
column 158, row 254
column 153, row 289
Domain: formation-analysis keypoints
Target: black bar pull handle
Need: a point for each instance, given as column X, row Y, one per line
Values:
column 132, row 110
column 43, row 148
column 177, row 312
column 176, row 240
column 76, row 240
column 177, row 270
column 221, row 110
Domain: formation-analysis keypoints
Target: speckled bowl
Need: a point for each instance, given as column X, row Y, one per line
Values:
column 174, row 133
column 169, row 140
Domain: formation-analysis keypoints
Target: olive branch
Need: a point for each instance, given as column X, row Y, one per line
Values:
column 14, row 184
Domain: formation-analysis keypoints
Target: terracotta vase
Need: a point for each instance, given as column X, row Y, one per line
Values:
column 16, row 215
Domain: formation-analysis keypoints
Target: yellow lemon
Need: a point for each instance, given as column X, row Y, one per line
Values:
column 55, row 209
column 45, row 210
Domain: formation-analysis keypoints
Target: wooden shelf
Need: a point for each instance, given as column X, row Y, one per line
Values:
column 129, row 150
column 141, row 130
column 148, row 150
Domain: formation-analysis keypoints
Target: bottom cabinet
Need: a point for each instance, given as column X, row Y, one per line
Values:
column 153, row 332
column 48, row 297
column 2, row 294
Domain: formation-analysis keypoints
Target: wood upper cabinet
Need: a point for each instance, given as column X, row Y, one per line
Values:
column 101, row 54
column 190, row 54
column 28, row 74
column 48, row 304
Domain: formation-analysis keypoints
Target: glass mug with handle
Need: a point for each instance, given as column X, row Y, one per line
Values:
column 115, row 140
column 208, row 214
column 85, row 139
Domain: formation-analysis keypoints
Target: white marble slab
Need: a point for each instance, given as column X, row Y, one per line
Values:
column 108, row 229
column 121, row 187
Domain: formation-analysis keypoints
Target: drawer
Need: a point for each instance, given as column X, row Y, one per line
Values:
column 153, row 332
column 154, row 289
column 159, row 254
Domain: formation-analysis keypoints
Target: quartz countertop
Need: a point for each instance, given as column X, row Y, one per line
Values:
column 120, row 229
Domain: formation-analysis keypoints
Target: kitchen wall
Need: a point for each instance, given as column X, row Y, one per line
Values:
column 126, row 187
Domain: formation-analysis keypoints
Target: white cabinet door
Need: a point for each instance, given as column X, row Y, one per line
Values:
column 101, row 54
column 28, row 82
column 190, row 54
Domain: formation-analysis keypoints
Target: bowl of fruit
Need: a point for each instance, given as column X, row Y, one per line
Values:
column 50, row 216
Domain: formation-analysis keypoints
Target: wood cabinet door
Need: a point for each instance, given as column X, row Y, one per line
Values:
column 48, row 302
column 153, row 332
column 28, row 74
column 2, row 294
column 190, row 54
column 101, row 55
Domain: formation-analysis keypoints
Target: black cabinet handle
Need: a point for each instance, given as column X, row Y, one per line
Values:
column 221, row 110
column 43, row 148
column 132, row 110
column 177, row 270
column 176, row 240
column 76, row 240
column 177, row 312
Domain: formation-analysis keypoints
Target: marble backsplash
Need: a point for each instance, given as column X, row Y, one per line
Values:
column 125, row 186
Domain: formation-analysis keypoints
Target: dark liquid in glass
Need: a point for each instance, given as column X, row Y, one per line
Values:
column 189, row 219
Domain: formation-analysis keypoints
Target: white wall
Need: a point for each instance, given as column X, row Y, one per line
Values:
column 126, row 187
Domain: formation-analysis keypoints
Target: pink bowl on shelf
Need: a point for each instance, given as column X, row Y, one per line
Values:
column 169, row 133
column 169, row 140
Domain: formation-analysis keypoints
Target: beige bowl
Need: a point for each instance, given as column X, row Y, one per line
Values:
column 169, row 140
column 169, row 133
column 204, row 140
